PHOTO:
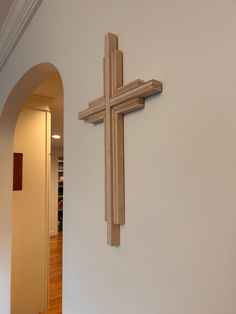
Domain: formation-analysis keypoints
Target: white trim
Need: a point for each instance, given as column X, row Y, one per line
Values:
column 18, row 18
column 47, row 208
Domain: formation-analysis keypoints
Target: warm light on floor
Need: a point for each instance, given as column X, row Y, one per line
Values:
column 55, row 289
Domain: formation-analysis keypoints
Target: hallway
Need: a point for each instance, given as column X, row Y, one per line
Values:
column 55, row 289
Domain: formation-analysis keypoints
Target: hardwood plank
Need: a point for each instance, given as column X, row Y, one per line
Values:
column 55, row 287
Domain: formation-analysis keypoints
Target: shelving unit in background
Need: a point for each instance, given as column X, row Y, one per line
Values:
column 60, row 192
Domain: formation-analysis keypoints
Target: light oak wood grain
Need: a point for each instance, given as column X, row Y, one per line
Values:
column 55, row 287
column 149, row 88
column 118, row 100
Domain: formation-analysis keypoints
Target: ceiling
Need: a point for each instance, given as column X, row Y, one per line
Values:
column 50, row 95
column 4, row 9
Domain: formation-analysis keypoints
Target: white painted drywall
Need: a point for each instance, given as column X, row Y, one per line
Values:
column 177, row 253
column 30, row 240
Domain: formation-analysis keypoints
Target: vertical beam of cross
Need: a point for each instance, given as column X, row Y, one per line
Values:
column 111, row 77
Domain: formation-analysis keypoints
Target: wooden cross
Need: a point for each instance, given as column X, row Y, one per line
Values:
column 118, row 100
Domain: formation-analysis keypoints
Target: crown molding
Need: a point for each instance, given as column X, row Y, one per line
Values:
column 17, row 20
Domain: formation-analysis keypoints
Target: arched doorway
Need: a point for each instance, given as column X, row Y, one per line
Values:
column 8, row 119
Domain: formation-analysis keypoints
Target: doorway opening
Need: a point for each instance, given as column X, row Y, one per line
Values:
column 52, row 88
column 37, row 207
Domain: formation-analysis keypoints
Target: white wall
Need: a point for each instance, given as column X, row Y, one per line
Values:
column 177, row 253
column 30, row 226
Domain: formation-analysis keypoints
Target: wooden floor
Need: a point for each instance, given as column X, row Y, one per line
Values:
column 55, row 289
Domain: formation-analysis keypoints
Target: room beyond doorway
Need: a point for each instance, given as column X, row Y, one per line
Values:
column 37, row 202
column 52, row 88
